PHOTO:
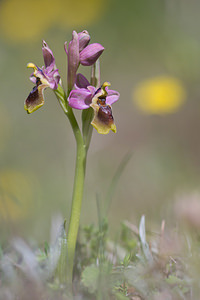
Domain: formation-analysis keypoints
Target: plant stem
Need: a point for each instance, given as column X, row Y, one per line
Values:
column 79, row 178
column 81, row 154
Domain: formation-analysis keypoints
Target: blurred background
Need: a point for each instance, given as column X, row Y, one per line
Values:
column 152, row 57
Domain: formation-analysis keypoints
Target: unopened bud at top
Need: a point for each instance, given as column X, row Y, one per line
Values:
column 84, row 39
column 90, row 54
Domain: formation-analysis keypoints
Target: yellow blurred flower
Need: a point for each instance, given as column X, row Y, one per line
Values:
column 23, row 20
column 15, row 195
column 81, row 12
column 159, row 95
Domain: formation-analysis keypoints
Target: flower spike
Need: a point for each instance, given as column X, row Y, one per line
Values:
column 95, row 100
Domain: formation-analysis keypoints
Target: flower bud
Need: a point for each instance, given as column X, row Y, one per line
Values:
column 49, row 59
column 73, row 59
column 90, row 54
column 84, row 39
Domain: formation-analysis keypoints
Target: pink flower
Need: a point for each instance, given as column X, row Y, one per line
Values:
column 44, row 77
column 79, row 52
column 85, row 95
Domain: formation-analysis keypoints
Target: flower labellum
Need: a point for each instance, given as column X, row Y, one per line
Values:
column 103, row 120
column 35, row 99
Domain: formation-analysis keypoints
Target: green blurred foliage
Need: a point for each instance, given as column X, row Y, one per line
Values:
column 143, row 39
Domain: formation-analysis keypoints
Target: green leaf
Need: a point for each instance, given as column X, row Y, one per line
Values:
column 135, row 276
column 174, row 280
column 90, row 278
column 87, row 116
column 1, row 252
column 46, row 248
column 120, row 296
column 62, row 98
column 126, row 260
column 61, row 251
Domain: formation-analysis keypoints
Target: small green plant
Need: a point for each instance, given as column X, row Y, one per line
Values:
column 92, row 98
column 104, row 269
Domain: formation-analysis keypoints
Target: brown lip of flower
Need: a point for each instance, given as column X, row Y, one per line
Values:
column 36, row 97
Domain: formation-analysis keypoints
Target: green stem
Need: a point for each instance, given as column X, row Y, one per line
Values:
column 76, row 206
column 81, row 154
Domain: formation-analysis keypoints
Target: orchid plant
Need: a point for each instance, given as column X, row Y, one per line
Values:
column 92, row 97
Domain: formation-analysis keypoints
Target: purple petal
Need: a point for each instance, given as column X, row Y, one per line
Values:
column 92, row 89
column 54, row 79
column 90, row 54
column 81, row 81
column 49, row 59
column 73, row 59
column 80, row 99
column 112, row 97
column 84, row 39
column 33, row 78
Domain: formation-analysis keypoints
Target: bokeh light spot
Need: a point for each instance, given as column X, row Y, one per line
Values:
column 15, row 195
column 160, row 95
column 81, row 12
column 22, row 20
